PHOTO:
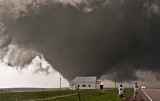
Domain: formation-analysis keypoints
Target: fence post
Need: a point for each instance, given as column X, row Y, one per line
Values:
column 78, row 94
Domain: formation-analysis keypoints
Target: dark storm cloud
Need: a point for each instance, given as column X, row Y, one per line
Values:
column 92, row 39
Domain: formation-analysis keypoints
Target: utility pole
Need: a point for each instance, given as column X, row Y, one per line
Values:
column 115, row 80
column 60, row 86
column 60, row 83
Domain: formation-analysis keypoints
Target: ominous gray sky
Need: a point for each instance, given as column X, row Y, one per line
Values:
column 87, row 37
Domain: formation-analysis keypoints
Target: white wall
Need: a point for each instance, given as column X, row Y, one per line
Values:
column 92, row 86
column 97, row 86
column 72, row 86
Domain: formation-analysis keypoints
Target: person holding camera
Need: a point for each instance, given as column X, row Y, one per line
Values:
column 120, row 91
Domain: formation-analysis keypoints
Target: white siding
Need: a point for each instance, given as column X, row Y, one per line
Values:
column 97, row 86
column 72, row 86
column 98, row 82
column 87, row 85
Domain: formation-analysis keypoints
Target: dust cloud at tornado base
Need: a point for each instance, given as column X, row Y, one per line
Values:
column 86, row 38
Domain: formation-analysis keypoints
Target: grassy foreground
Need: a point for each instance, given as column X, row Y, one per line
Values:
column 96, row 95
column 65, row 95
column 19, row 96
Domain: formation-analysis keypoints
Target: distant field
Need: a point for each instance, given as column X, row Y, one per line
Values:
column 64, row 95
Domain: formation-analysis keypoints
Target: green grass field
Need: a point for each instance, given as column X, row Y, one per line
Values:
column 19, row 96
column 65, row 95
column 96, row 95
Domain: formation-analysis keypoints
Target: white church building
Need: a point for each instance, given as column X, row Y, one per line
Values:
column 90, row 82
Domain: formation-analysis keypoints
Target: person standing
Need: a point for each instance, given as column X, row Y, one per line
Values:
column 137, row 91
column 120, row 91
